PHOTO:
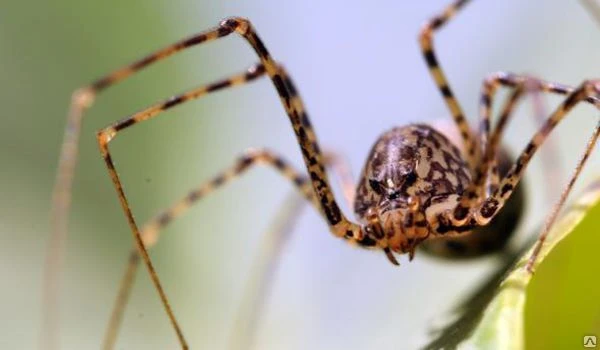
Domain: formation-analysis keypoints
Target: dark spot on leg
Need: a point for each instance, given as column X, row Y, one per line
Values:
column 172, row 102
column 430, row 58
column 245, row 162
column 489, row 208
column 164, row 219
column 460, row 212
column 124, row 124
column 218, row 181
column 193, row 196
column 218, row 85
column 279, row 163
column 279, row 85
column 197, row 39
column 505, row 189
column 446, row 91
column 299, row 181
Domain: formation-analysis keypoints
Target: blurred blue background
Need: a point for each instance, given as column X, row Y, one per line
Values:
column 360, row 71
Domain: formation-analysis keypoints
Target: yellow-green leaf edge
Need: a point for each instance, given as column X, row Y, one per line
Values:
column 503, row 323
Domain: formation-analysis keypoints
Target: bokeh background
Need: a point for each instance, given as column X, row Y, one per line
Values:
column 360, row 72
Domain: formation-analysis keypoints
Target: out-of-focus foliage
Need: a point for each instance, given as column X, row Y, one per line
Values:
column 552, row 309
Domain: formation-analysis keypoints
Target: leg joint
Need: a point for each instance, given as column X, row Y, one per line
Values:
column 238, row 24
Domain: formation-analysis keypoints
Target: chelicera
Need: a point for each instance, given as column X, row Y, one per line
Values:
column 418, row 188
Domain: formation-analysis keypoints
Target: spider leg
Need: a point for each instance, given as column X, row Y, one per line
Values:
column 106, row 135
column 81, row 100
column 483, row 211
column 249, row 159
column 339, row 225
column 262, row 271
column 259, row 283
column 426, row 42
column 551, row 161
column 151, row 230
column 493, row 174
column 484, row 183
column 531, row 87
column 563, row 197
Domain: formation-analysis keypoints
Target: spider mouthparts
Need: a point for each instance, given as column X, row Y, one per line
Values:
column 391, row 256
column 411, row 253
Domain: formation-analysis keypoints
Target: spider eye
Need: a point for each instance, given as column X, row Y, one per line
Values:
column 394, row 195
column 376, row 186
column 410, row 179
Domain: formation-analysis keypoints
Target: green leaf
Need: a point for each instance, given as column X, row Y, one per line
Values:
column 554, row 308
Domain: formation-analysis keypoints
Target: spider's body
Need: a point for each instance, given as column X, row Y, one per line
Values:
column 413, row 174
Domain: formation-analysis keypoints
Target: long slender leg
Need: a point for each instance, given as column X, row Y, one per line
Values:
column 563, row 197
column 426, row 42
column 339, row 225
column 486, row 209
column 260, row 280
column 551, row 161
column 116, row 315
column 244, row 163
column 493, row 176
column 490, row 140
column 61, row 204
column 528, row 87
column 81, row 100
column 150, row 230
column 106, row 135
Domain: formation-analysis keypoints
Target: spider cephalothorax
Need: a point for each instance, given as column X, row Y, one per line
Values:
column 413, row 174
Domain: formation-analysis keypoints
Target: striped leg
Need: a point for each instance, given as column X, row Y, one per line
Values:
column 563, row 197
column 263, row 269
column 339, row 225
column 151, row 230
column 490, row 140
column 244, row 163
column 104, row 136
column 426, row 42
column 483, row 212
column 531, row 87
column 81, row 100
column 492, row 174
column 550, row 157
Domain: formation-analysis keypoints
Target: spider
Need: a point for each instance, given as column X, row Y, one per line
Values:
column 418, row 187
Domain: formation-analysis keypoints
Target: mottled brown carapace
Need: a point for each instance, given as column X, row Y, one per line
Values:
column 417, row 187
column 412, row 176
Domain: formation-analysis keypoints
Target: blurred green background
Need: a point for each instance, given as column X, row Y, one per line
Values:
column 360, row 72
